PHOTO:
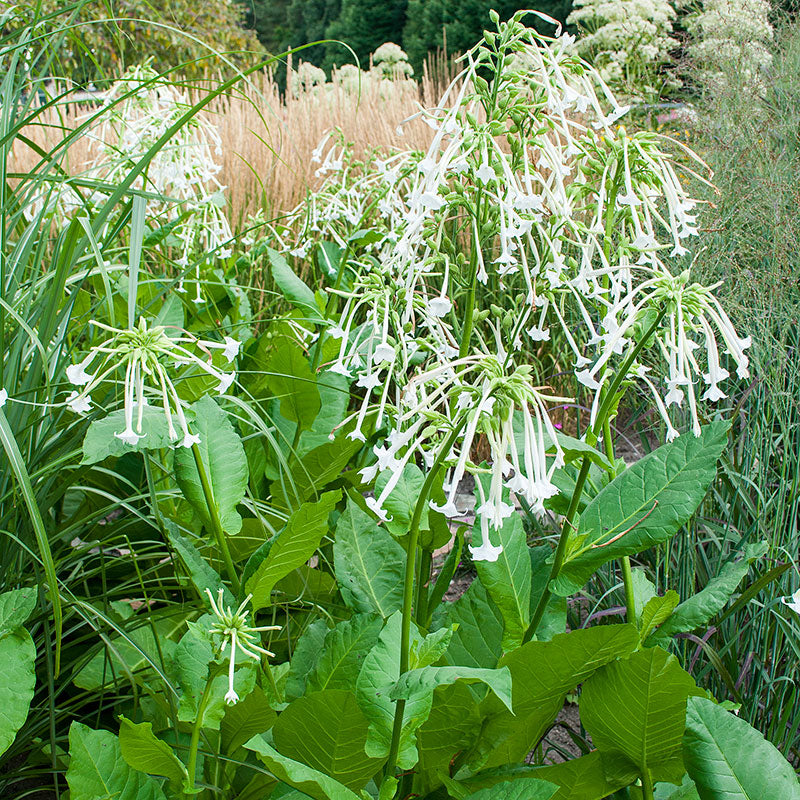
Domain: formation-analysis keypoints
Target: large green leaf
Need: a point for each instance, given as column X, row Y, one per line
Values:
column 292, row 287
column 290, row 378
column 554, row 619
column 635, row 711
column 476, row 641
column 729, row 760
column 245, row 719
column 452, row 725
column 579, row 778
column 304, row 657
column 294, row 545
column 15, row 608
column 17, row 681
column 310, row 781
column 368, row 562
column 225, row 464
column 100, row 441
column 402, row 499
column 643, row 506
column 97, row 770
column 508, row 580
column 327, row 731
column 543, row 673
column 142, row 750
column 698, row 609
column 343, row 653
column 201, row 573
column 379, row 673
column 519, row 789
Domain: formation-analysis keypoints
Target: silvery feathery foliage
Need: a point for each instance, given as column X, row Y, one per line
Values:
column 626, row 40
column 732, row 35
column 558, row 210
column 182, row 175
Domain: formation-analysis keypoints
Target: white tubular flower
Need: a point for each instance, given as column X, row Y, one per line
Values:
column 690, row 312
column 235, row 631
column 146, row 354
column 793, row 602
column 3, row 397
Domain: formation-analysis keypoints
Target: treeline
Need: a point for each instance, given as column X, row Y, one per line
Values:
column 419, row 26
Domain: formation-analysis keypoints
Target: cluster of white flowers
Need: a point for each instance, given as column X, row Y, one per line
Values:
column 626, row 40
column 567, row 217
column 392, row 62
column 233, row 631
column 182, row 176
column 732, row 35
column 148, row 355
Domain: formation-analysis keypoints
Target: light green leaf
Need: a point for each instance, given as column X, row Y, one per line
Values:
column 643, row 506
column 300, row 776
column 644, row 590
column 538, row 693
column 402, row 500
column 290, row 378
column 379, row 673
column 656, row 611
column 368, row 563
column 343, row 653
column 508, row 580
column 245, row 719
column 431, row 648
column 294, row 545
column 580, row 778
column 97, row 770
column 519, row 789
column 143, row 751
column 698, row 609
column 100, row 441
column 635, row 711
column 15, row 608
column 554, row 619
column 292, row 287
column 668, row 791
column 327, row 731
column 729, row 760
column 477, row 640
column 225, row 464
column 452, row 725
column 17, row 679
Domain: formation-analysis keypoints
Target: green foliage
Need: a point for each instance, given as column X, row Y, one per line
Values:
column 726, row 758
column 110, row 37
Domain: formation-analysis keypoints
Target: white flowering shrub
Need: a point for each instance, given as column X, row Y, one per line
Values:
column 182, row 176
column 627, row 41
column 392, row 62
column 731, row 35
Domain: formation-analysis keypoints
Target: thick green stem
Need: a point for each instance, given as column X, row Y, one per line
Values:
column 408, row 587
column 648, row 792
column 603, row 415
column 191, row 766
column 216, row 524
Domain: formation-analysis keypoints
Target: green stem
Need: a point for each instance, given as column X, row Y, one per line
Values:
column 408, row 587
column 606, row 406
column 191, row 766
column 648, row 792
column 216, row 524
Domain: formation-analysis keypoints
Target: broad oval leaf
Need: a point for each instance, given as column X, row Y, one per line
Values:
column 17, row 681
column 97, row 770
column 142, row 750
column 368, row 562
column 635, row 709
column 729, row 760
column 293, row 383
column 225, row 464
column 293, row 546
column 328, row 731
column 15, row 608
column 643, row 506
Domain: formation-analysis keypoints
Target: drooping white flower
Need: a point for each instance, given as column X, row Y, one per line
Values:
column 79, row 403
column 235, row 632
column 3, row 397
column 793, row 602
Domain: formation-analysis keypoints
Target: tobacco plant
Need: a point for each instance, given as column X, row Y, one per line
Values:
column 304, row 476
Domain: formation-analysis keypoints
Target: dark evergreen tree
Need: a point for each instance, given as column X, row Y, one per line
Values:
column 462, row 22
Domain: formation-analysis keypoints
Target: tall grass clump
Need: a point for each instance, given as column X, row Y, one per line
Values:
column 749, row 132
